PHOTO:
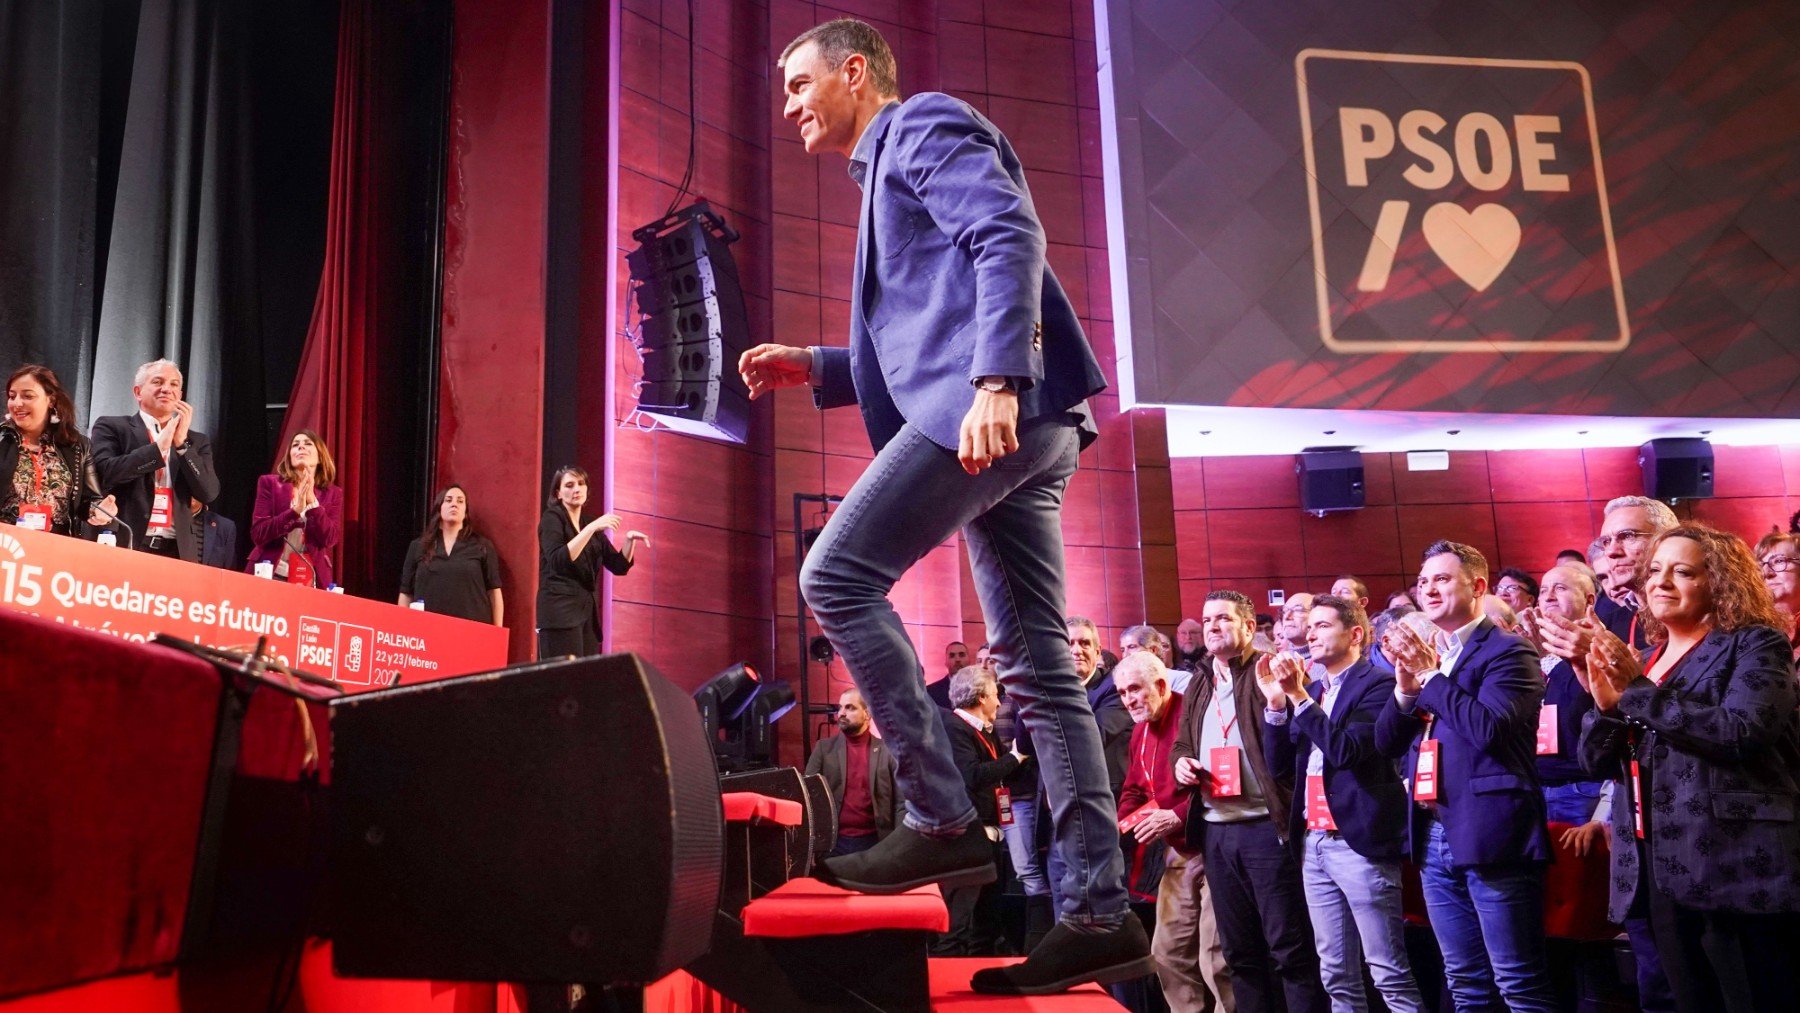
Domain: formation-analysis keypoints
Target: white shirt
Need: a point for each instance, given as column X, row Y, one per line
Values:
column 162, row 476
column 1448, row 655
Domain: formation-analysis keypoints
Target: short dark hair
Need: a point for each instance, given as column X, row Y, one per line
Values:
column 955, row 643
column 1362, row 589
column 1526, row 580
column 842, row 38
column 1473, row 562
column 1350, row 613
column 1245, row 608
column 1575, row 554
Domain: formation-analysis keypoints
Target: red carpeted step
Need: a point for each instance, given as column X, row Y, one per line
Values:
column 806, row 907
column 950, row 990
column 744, row 806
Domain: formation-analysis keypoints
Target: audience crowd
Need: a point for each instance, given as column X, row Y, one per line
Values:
column 1285, row 782
column 1279, row 778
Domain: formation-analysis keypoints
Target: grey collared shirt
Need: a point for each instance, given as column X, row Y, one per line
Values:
column 865, row 145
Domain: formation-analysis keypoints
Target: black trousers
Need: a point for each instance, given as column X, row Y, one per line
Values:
column 974, row 915
column 582, row 641
column 1716, row 960
column 1264, row 929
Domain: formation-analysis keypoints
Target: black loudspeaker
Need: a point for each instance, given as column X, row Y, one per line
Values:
column 1330, row 480
column 1677, row 468
column 691, row 325
column 547, row 823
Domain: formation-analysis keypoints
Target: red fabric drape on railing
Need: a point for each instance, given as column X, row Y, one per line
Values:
column 338, row 382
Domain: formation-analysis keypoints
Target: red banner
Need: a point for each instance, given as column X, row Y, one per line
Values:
column 361, row 643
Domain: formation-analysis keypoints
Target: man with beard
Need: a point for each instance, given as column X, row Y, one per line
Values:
column 859, row 770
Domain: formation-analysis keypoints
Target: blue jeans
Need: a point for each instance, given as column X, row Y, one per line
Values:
column 1354, row 903
column 848, row 845
column 1489, row 923
column 1572, row 803
column 1021, row 846
column 912, row 498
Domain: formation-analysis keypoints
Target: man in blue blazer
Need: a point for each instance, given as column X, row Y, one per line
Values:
column 1350, row 807
column 971, row 371
column 1464, row 716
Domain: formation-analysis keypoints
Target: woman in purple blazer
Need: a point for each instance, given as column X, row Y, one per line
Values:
column 299, row 514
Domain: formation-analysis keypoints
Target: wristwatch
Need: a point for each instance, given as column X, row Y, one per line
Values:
column 995, row 384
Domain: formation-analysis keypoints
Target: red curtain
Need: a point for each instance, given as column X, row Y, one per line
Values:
column 338, row 385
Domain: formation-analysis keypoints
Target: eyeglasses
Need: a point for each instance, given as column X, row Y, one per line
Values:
column 1780, row 564
column 1620, row 537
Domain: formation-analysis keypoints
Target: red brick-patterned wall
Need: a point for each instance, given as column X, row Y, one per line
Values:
column 1239, row 524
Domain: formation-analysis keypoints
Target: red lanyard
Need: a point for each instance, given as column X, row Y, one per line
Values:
column 37, row 473
column 1146, row 763
column 1219, row 713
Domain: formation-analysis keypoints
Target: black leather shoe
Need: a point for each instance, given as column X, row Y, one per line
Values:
column 1067, row 958
column 907, row 859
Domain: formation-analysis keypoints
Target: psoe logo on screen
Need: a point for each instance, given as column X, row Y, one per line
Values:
column 340, row 650
column 1458, row 204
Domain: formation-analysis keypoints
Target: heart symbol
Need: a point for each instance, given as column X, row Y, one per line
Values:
column 1476, row 244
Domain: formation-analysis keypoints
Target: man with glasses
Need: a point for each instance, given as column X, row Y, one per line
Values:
column 1630, row 523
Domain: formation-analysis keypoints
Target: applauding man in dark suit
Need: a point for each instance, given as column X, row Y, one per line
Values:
column 1350, row 807
column 1464, row 716
column 157, row 464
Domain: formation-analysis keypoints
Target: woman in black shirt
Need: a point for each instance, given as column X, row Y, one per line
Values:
column 452, row 569
column 570, row 554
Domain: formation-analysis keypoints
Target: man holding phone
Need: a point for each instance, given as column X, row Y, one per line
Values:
column 1239, row 819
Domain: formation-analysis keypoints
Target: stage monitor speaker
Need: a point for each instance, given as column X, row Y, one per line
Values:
column 691, row 325
column 556, row 822
column 1677, row 468
column 1330, row 480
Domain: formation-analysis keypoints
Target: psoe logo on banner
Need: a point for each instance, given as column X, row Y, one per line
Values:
column 341, row 650
column 1458, row 204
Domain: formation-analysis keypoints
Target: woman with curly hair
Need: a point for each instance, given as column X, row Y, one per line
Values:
column 1703, row 737
column 47, row 476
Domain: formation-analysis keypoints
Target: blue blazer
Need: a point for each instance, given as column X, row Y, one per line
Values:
column 1572, row 704
column 219, row 546
column 1721, row 741
column 1367, row 799
column 950, row 282
column 1485, row 714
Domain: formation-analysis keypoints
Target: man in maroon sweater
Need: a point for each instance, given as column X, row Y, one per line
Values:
column 1189, row 960
column 859, row 770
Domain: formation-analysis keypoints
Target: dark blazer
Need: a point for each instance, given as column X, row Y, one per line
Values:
column 1572, row 704
column 1278, row 791
column 1115, row 730
column 218, row 544
column 127, row 461
column 565, row 597
column 1721, row 741
column 1486, row 709
column 950, row 281
column 1368, row 801
column 829, row 759
column 79, row 459
column 981, row 773
column 274, row 516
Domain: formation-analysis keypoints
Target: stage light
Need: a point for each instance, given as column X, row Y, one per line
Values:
column 738, row 709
